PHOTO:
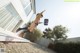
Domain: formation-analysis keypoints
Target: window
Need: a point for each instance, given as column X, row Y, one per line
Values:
column 25, row 2
column 27, row 6
column 28, row 10
column 11, row 10
column 9, row 17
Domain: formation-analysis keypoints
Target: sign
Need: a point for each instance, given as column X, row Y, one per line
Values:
column 46, row 21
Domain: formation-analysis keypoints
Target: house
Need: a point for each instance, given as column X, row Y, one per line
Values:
column 15, row 14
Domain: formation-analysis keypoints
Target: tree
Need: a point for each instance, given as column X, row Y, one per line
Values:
column 34, row 36
column 59, row 32
column 47, row 33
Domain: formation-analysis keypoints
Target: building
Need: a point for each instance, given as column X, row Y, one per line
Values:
column 14, row 14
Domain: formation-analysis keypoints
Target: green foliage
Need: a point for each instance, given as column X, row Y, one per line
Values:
column 37, row 34
column 34, row 36
column 47, row 33
column 66, row 47
column 58, row 32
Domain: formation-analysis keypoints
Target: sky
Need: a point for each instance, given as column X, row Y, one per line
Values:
column 62, row 13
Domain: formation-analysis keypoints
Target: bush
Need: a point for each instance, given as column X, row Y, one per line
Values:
column 66, row 47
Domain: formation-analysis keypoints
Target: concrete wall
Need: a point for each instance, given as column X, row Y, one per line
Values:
column 44, row 42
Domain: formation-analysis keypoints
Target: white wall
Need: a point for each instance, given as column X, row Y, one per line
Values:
column 18, row 6
column 44, row 42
